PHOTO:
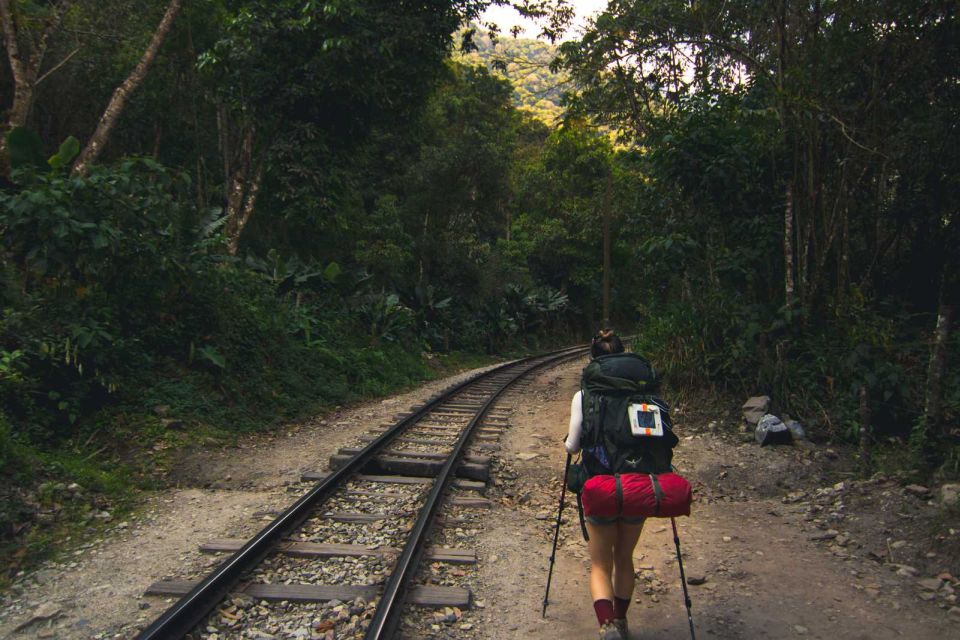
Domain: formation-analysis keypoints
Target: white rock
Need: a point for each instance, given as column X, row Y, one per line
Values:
column 930, row 584
column 950, row 494
column 754, row 409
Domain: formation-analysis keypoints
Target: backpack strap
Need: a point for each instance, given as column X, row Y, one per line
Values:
column 596, row 459
column 657, row 492
column 583, row 523
column 583, row 413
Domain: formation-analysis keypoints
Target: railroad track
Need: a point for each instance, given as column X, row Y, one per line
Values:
column 360, row 534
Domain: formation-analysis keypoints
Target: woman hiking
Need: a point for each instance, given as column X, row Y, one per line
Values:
column 616, row 465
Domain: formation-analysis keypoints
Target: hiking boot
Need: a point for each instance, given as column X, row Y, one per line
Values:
column 609, row 631
column 621, row 625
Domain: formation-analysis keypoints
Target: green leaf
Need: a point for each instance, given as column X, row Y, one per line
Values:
column 332, row 272
column 211, row 355
column 69, row 149
column 25, row 148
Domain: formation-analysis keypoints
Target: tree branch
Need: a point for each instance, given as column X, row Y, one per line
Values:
column 843, row 130
column 36, row 56
column 53, row 69
column 120, row 96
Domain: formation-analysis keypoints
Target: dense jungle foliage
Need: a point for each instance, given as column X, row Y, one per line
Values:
column 538, row 86
column 215, row 215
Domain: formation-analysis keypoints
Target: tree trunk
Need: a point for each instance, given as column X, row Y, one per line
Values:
column 789, row 276
column 935, row 435
column 933, row 411
column 120, row 96
column 843, row 270
column 866, row 431
column 589, row 312
column 424, row 243
column 224, row 138
column 243, row 191
column 249, row 204
column 606, row 253
column 22, row 87
column 25, row 71
column 157, row 139
column 22, row 98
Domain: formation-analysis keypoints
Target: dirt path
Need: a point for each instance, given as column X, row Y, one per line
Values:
column 787, row 545
column 765, row 577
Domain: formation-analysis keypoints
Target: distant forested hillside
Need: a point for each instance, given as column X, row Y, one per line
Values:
column 526, row 64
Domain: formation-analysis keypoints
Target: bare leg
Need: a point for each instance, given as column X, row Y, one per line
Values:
column 623, row 576
column 603, row 538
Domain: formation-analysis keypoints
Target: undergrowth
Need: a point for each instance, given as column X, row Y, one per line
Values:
column 126, row 335
column 56, row 496
column 814, row 371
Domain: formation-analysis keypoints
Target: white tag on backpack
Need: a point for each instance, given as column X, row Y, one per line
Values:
column 645, row 420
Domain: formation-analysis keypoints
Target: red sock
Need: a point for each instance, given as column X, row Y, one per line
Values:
column 604, row 609
column 620, row 606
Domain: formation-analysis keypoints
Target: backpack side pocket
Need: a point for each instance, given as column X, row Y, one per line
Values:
column 576, row 477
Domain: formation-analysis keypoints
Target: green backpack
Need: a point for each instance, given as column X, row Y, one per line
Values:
column 626, row 426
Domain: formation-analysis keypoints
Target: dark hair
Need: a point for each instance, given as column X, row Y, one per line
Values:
column 605, row 343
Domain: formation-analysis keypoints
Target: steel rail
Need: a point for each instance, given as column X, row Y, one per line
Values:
column 185, row 614
column 387, row 615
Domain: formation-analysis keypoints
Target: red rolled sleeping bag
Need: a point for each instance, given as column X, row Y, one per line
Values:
column 637, row 495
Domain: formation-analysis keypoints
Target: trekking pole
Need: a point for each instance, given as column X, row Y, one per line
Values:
column 556, row 535
column 683, row 578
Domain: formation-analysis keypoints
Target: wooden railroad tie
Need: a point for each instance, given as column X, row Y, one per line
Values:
column 482, row 434
column 315, row 550
column 458, row 483
column 454, row 428
column 349, row 516
column 382, row 495
column 456, row 501
column 366, row 518
column 456, row 412
column 414, row 453
column 466, row 406
column 454, row 522
column 433, row 443
column 423, row 595
column 386, row 464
